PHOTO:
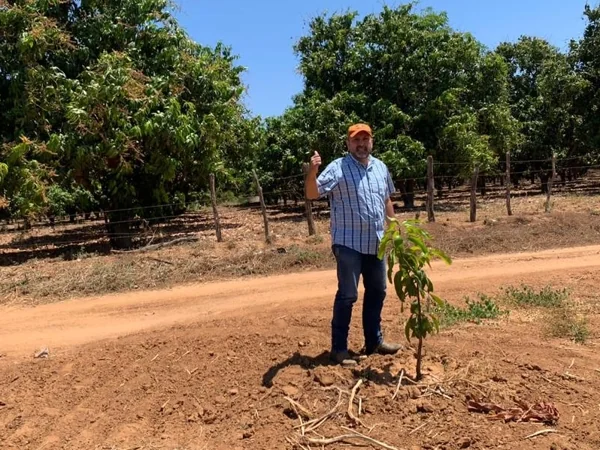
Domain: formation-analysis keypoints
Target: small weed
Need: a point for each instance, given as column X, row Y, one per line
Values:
column 484, row 308
column 526, row 296
column 79, row 254
column 315, row 239
column 305, row 256
column 564, row 323
column 561, row 319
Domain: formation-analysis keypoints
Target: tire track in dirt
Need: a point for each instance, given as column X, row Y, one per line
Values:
column 74, row 322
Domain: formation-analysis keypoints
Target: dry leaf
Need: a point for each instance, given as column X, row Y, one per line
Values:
column 537, row 412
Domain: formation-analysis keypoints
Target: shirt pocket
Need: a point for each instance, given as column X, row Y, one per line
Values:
column 378, row 190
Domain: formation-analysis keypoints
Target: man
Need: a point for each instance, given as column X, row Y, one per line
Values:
column 359, row 188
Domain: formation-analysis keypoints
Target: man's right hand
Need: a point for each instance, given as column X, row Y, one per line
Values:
column 311, row 185
column 315, row 162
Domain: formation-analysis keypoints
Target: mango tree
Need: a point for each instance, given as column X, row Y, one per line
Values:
column 584, row 58
column 544, row 87
column 115, row 97
column 424, row 88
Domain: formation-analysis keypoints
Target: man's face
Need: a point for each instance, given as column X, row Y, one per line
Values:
column 360, row 146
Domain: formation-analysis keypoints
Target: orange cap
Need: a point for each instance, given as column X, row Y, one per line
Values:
column 359, row 127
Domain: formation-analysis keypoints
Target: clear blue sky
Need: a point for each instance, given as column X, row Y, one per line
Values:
column 262, row 32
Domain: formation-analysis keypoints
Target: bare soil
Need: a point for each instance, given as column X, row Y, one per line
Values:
column 210, row 366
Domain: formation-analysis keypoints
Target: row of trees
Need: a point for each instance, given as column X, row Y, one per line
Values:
column 430, row 90
column 108, row 104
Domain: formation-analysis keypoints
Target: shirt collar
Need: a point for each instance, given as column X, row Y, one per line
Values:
column 359, row 164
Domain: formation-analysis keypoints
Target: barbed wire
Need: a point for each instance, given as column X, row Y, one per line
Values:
column 295, row 193
column 461, row 189
column 44, row 243
column 512, row 161
column 484, row 175
column 290, row 177
column 457, row 191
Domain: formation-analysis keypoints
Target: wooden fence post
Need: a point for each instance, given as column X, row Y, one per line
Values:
column 263, row 207
column 213, row 199
column 550, row 183
column 308, row 206
column 507, row 182
column 474, row 194
column 430, row 187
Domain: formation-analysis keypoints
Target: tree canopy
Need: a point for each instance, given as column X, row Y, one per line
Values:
column 109, row 104
column 114, row 98
column 424, row 88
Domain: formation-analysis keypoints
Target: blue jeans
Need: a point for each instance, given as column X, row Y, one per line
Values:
column 350, row 266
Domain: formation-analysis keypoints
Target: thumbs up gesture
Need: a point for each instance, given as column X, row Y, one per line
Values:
column 315, row 162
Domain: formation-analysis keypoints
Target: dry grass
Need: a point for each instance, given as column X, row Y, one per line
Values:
column 69, row 262
column 561, row 315
column 45, row 283
column 568, row 323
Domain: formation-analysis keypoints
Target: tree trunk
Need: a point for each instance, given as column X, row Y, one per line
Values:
column 544, row 177
column 473, row 212
column 430, row 187
column 118, row 227
column 419, row 358
column 407, row 189
column 481, row 185
column 439, row 186
column 514, row 179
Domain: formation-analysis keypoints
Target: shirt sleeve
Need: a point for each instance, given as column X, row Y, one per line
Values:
column 328, row 179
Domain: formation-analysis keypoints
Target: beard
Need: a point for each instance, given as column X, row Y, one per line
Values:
column 361, row 152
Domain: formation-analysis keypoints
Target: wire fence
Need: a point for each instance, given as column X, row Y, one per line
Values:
column 169, row 220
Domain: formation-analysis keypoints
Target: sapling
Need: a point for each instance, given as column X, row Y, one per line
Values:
column 406, row 246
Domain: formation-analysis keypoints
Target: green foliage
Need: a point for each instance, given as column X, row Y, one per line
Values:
column 114, row 96
column 561, row 319
column 584, row 57
column 483, row 308
column 544, row 88
column 63, row 201
column 23, row 177
column 526, row 296
column 425, row 89
column 406, row 246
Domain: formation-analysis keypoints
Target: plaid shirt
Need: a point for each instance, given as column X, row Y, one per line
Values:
column 358, row 195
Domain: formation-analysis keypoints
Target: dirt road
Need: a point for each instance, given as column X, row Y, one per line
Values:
column 210, row 366
column 74, row 322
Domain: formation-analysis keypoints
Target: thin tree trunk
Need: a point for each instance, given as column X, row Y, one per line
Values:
column 544, row 177
column 419, row 358
column 507, row 182
column 419, row 375
column 430, row 186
